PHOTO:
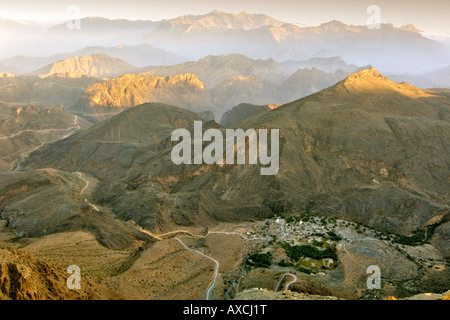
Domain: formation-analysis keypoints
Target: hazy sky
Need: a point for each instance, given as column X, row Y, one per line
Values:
column 429, row 15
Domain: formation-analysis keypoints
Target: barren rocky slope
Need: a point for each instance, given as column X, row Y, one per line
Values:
column 35, row 203
column 23, row 129
column 52, row 91
column 23, row 277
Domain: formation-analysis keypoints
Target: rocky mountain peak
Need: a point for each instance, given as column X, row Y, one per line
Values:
column 371, row 81
column 97, row 64
column 411, row 28
column 189, row 78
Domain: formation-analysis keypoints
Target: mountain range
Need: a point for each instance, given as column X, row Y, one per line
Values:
column 326, row 64
column 227, row 81
column 213, row 70
column 382, row 48
column 214, row 84
column 434, row 79
column 390, row 48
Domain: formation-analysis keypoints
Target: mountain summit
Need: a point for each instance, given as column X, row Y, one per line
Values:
column 371, row 81
column 95, row 65
column 221, row 20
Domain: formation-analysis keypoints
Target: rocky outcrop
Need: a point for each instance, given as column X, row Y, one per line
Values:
column 23, row 277
column 184, row 90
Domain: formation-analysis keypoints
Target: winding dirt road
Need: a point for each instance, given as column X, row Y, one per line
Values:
column 75, row 127
column 216, row 271
column 160, row 237
column 286, row 287
column 81, row 176
column 72, row 130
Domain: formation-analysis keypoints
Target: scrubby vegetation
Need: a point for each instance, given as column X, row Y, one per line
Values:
column 260, row 260
column 297, row 252
column 283, row 263
column 291, row 219
column 317, row 243
column 419, row 237
column 304, row 270
column 333, row 236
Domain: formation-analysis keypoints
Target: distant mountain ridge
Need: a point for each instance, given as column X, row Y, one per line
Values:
column 220, row 20
column 329, row 64
column 391, row 49
column 9, row 69
column 439, row 78
column 95, row 65
column 227, row 80
column 215, row 69
column 399, row 48
column 100, row 25
column 139, row 55
column 214, row 83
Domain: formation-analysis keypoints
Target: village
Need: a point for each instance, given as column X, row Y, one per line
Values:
column 307, row 244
